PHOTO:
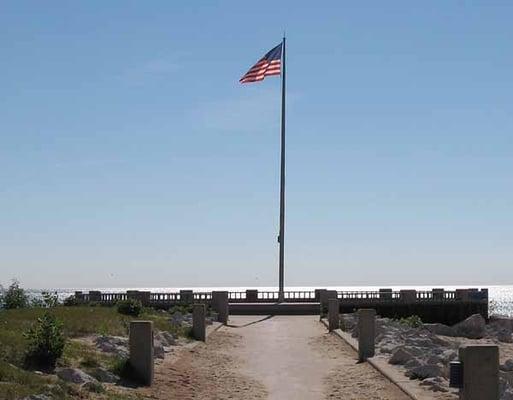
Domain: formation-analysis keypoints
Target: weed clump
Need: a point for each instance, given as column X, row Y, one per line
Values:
column 130, row 307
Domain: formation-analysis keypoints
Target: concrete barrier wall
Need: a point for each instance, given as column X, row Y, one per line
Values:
column 438, row 305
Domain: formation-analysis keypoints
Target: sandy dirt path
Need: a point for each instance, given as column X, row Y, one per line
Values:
column 295, row 358
column 278, row 358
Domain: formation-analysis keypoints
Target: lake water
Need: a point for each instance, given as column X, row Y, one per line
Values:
column 500, row 297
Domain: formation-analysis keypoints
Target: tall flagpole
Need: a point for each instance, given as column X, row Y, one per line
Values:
column 281, row 237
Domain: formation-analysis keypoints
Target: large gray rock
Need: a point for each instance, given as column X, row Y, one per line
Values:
column 504, row 337
column 507, row 366
column 158, row 350
column 177, row 318
column 473, row 327
column 37, row 397
column 103, row 375
column 74, row 375
column 113, row 344
column 400, row 356
column 439, row 329
column 435, row 384
column 166, row 338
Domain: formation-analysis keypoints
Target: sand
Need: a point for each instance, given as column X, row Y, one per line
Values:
column 275, row 358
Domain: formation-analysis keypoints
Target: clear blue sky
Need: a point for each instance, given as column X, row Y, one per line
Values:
column 130, row 155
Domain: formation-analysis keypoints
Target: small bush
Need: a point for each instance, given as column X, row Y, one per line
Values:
column 45, row 342
column 412, row 321
column 15, row 297
column 130, row 307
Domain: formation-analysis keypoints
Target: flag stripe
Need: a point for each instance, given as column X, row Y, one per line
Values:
column 268, row 65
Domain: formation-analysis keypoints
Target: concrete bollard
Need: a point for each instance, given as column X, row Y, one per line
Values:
column 480, row 372
column 199, row 326
column 366, row 333
column 333, row 314
column 141, row 350
column 325, row 295
column 222, row 307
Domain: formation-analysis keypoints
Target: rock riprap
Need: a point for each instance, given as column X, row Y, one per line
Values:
column 424, row 354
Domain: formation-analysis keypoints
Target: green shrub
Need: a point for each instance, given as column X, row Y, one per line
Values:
column 15, row 297
column 45, row 342
column 130, row 307
column 412, row 321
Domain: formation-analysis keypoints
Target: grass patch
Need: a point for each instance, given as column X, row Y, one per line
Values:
column 78, row 321
column 16, row 383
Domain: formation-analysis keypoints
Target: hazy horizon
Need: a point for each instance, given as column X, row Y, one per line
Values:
column 131, row 156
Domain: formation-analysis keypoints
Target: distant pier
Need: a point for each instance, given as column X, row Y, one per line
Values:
column 436, row 305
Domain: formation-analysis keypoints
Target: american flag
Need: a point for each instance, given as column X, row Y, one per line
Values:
column 270, row 64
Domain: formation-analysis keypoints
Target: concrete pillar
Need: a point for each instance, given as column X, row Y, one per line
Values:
column 95, row 296
column 438, row 294
column 222, row 307
column 318, row 294
column 408, row 296
column 186, row 296
column 214, row 302
column 480, row 372
column 132, row 294
column 145, row 298
column 385, row 294
column 251, row 296
column 141, row 350
column 79, row 297
column 462, row 294
column 366, row 333
column 325, row 295
column 199, row 327
column 333, row 314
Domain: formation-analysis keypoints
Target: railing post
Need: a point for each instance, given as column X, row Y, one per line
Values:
column 317, row 293
column 145, row 298
column 462, row 295
column 333, row 314
column 79, row 297
column 95, row 296
column 251, row 296
column 186, row 296
column 366, row 333
column 141, row 350
column 198, row 322
column 480, row 372
column 408, row 296
column 385, row 294
column 438, row 294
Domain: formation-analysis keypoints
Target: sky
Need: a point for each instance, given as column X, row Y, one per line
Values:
column 131, row 156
